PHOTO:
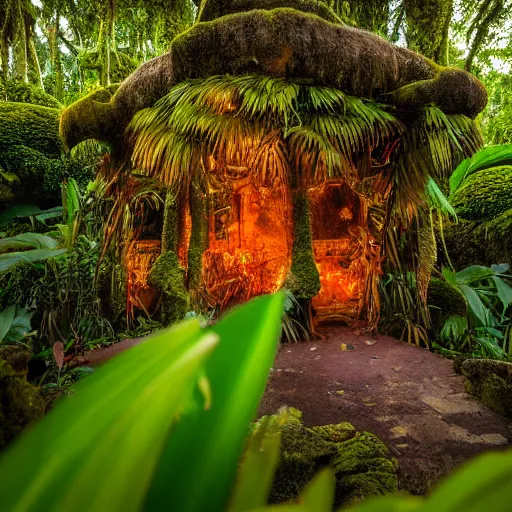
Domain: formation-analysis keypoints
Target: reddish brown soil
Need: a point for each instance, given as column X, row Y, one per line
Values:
column 408, row 396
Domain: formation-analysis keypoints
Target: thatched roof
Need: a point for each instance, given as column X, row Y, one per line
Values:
column 282, row 42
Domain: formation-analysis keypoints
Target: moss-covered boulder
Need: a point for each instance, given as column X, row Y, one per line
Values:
column 361, row 462
column 21, row 92
column 33, row 126
column 32, row 162
column 484, row 195
column 491, row 382
column 20, row 403
column 480, row 243
column 168, row 276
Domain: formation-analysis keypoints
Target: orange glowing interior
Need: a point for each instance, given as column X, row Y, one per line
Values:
column 139, row 259
column 250, row 240
column 335, row 223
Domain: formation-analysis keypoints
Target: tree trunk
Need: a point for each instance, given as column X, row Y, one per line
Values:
column 53, row 40
column 427, row 27
column 372, row 15
column 37, row 66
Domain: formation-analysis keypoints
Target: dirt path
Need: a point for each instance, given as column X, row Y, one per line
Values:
column 407, row 396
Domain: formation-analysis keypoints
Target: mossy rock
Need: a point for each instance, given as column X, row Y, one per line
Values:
column 480, row 243
column 20, row 403
column 484, row 195
column 491, row 382
column 361, row 463
column 36, row 127
column 20, row 92
column 31, row 150
column 169, row 278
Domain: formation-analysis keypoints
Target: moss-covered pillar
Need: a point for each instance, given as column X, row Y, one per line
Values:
column 303, row 280
column 170, row 223
column 199, row 235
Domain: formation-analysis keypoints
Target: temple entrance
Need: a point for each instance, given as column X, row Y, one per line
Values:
column 250, row 240
column 335, row 226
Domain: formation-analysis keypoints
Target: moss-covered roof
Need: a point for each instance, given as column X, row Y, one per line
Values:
column 286, row 43
column 212, row 9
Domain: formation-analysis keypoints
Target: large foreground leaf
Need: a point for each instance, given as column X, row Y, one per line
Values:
column 140, row 423
column 201, row 457
column 483, row 485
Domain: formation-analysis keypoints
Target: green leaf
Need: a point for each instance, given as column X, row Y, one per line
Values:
column 259, row 463
column 35, row 240
column 473, row 274
column 20, row 326
column 438, row 200
column 503, row 290
column 475, row 305
column 450, row 276
column 98, row 450
column 18, row 211
column 200, row 460
column 484, row 484
column 319, row 494
column 10, row 260
column 6, row 320
column 491, row 156
column 388, row 504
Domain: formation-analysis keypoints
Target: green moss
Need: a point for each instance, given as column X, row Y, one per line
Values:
column 169, row 278
column 33, row 126
column 212, row 9
column 20, row 403
column 491, row 382
column 171, row 220
column 485, row 194
column 361, row 462
column 480, row 243
column 21, row 92
column 303, row 280
column 91, row 117
column 198, row 237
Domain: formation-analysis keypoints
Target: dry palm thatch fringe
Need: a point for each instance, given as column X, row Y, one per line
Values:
column 261, row 123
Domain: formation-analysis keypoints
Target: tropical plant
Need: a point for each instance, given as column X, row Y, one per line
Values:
column 486, row 327
column 293, row 329
column 486, row 158
column 14, row 324
column 45, row 248
column 171, row 432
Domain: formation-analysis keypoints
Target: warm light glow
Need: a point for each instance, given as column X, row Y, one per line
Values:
column 249, row 250
column 139, row 259
column 337, row 252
